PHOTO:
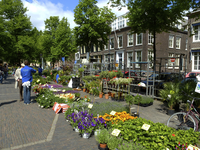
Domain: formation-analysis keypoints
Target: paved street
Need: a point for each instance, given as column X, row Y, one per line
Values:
column 32, row 128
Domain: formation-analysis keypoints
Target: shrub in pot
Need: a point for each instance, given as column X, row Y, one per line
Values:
column 102, row 139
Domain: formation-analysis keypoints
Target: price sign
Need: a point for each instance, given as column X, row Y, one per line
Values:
column 193, row 147
column 113, row 113
column 90, row 106
column 145, row 127
column 115, row 132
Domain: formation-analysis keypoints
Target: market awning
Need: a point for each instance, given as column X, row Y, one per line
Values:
column 196, row 24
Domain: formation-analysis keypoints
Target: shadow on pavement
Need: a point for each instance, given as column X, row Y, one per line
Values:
column 5, row 103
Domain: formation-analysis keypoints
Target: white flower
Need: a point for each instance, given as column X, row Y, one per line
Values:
column 51, row 86
column 38, row 105
column 42, row 106
column 169, row 96
column 46, row 98
column 38, row 80
column 63, row 90
column 42, row 95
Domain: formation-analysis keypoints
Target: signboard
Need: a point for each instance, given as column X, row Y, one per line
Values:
column 172, row 59
column 116, row 65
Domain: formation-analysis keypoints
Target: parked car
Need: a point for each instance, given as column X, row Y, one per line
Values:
column 161, row 78
column 192, row 74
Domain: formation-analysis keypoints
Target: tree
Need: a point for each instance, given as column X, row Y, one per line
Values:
column 154, row 16
column 17, row 25
column 58, row 39
column 93, row 24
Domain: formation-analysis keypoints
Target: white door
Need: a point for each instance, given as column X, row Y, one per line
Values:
column 120, row 60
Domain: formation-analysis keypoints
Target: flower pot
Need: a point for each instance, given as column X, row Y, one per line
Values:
column 97, row 132
column 170, row 111
column 88, row 91
column 106, row 96
column 112, row 94
column 86, row 135
column 101, row 95
column 109, row 93
column 135, row 114
column 103, row 146
column 76, row 129
column 84, row 90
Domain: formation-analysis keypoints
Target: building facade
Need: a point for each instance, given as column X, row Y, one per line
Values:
column 124, row 47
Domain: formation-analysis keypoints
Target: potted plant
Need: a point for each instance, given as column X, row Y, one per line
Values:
column 129, row 99
column 137, row 98
column 171, row 93
column 102, row 139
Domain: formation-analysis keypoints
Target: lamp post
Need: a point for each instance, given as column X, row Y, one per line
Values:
column 109, row 54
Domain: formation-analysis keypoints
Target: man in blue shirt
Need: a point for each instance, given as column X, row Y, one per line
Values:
column 27, row 78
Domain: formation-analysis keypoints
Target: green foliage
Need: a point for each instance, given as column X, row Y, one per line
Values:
column 77, row 94
column 47, row 99
column 102, row 136
column 144, row 100
column 46, row 72
column 107, row 107
column 137, row 99
column 112, row 74
column 171, row 92
column 93, row 22
column 129, row 99
column 119, row 73
column 159, row 136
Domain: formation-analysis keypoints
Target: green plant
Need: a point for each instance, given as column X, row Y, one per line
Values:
column 107, row 107
column 171, row 93
column 129, row 99
column 77, row 94
column 112, row 74
column 119, row 73
column 102, row 136
column 114, row 142
column 125, row 145
column 158, row 136
column 144, row 100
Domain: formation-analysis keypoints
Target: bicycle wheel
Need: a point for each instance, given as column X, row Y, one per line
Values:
column 180, row 121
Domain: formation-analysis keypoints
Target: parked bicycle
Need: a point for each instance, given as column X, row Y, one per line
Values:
column 185, row 120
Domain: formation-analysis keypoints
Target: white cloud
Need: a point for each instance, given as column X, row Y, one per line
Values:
column 115, row 10
column 39, row 11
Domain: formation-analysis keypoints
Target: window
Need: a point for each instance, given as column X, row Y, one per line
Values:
column 112, row 43
column 84, row 50
column 196, row 62
column 150, row 58
column 150, row 38
column 106, row 47
column 186, row 44
column 138, row 58
column 130, row 39
column 170, row 64
column 94, row 48
column 196, row 36
column 112, row 58
column 178, row 42
column 129, row 59
column 177, row 61
column 120, row 41
column 139, row 39
column 171, row 41
column 106, row 58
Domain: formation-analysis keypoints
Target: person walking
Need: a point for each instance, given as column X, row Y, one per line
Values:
column 5, row 69
column 40, row 70
column 1, row 73
column 27, row 78
column 18, row 81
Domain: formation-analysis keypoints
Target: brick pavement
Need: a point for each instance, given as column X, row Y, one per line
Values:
column 32, row 128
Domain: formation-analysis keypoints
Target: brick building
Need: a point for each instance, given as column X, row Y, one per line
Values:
column 126, row 47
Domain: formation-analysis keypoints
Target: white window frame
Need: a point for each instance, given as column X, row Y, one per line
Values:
column 106, row 58
column 111, row 43
column 150, row 39
column 128, row 61
column 171, row 37
column 196, row 31
column 178, row 42
column 170, row 64
column 150, row 54
column 84, row 50
column 197, row 61
column 177, row 60
column 118, row 40
column 128, row 41
column 186, row 43
column 136, row 60
column 137, row 36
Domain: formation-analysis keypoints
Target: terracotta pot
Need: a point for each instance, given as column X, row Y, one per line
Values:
column 88, row 91
column 112, row 94
column 106, row 96
column 109, row 93
column 103, row 145
column 101, row 95
column 84, row 90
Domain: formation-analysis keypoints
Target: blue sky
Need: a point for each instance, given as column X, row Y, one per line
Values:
column 40, row 10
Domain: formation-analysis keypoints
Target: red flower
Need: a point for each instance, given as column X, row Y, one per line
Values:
column 173, row 135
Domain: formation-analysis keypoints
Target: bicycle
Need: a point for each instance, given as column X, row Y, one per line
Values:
column 185, row 120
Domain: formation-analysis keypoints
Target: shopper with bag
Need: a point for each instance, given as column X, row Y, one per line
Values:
column 18, row 80
column 27, row 78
